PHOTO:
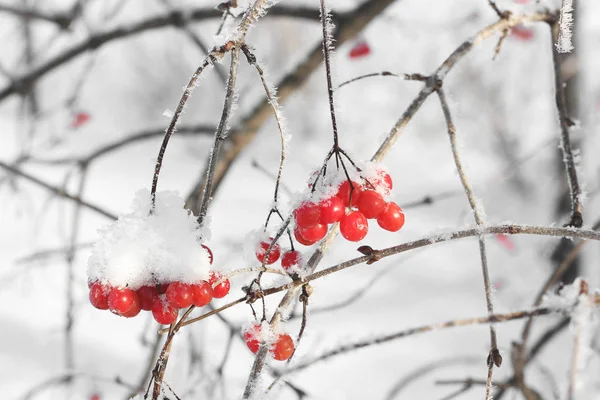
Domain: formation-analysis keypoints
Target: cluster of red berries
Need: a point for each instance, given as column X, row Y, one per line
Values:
column 289, row 259
column 281, row 349
column 351, row 206
column 164, row 300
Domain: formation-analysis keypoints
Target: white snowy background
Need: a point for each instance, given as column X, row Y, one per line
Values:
column 507, row 131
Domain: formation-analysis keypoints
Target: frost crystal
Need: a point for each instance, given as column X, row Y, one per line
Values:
column 565, row 23
column 143, row 248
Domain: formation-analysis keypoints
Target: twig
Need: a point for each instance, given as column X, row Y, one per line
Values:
column 57, row 190
column 494, row 6
column 61, row 20
column 326, row 25
column 421, row 329
column 565, row 138
column 494, row 357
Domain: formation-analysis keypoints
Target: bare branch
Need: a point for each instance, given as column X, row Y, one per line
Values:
column 57, row 190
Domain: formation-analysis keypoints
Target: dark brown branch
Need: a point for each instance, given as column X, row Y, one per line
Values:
column 174, row 18
column 57, row 190
column 62, row 20
column 565, row 138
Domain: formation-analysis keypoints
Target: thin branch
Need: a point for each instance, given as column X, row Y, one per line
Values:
column 565, row 138
column 57, row 190
column 494, row 357
column 421, row 329
column 61, row 20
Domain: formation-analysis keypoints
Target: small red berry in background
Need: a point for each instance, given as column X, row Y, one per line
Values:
column 202, row 293
column 344, row 192
column 505, row 241
column 222, row 289
column 359, row 50
column 135, row 308
column 354, row 226
column 307, row 215
column 332, row 210
column 99, row 296
column 273, row 256
column 163, row 312
column 147, row 295
column 392, row 218
column 301, row 238
column 80, row 119
column 251, row 337
column 522, row 33
column 179, row 295
column 291, row 258
column 120, row 300
column 313, row 234
column 210, row 253
column 371, row 204
column 95, row 397
column 283, row 348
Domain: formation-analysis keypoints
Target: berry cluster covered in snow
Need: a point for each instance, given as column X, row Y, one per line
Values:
column 152, row 259
column 350, row 202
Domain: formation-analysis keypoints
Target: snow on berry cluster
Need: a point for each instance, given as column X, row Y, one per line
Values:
column 152, row 259
column 280, row 345
column 291, row 260
column 350, row 202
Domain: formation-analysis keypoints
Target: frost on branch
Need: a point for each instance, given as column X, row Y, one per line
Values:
column 144, row 248
column 564, row 42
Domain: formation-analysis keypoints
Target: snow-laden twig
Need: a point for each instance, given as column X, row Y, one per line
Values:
column 565, row 134
column 494, row 357
column 564, row 41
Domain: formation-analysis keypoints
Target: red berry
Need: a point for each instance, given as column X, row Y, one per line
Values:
column 344, row 192
column 301, row 239
column 371, row 204
column 210, row 253
column 315, row 233
column 284, row 347
column 222, row 288
column 163, row 312
column 95, row 397
column 99, row 296
column 274, row 254
column 147, row 295
column 290, row 259
column 202, row 293
column 135, row 309
column 361, row 49
column 252, row 338
column 354, row 226
column 307, row 215
column 383, row 182
column 120, row 300
column 179, row 295
column 392, row 217
column 332, row 210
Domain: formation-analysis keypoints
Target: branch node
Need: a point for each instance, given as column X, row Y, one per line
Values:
column 494, row 358
column 374, row 255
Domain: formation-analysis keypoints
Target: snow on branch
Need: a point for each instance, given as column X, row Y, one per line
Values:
column 564, row 43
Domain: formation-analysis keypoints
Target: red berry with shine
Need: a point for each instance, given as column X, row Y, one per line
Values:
column 371, row 204
column 99, row 296
column 163, row 312
column 332, row 210
column 252, row 338
column 315, row 233
column 222, row 288
column 120, row 300
column 301, row 239
column 354, row 226
column 344, row 192
column 147, row 295
column 274, row 254
column 210, row 253
column 179, row 295
column 307, row 215
column 392, row 218
column 383, row 182
column 284, row 347
column 291, row 258
column 135, row 308
column 202, row 293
